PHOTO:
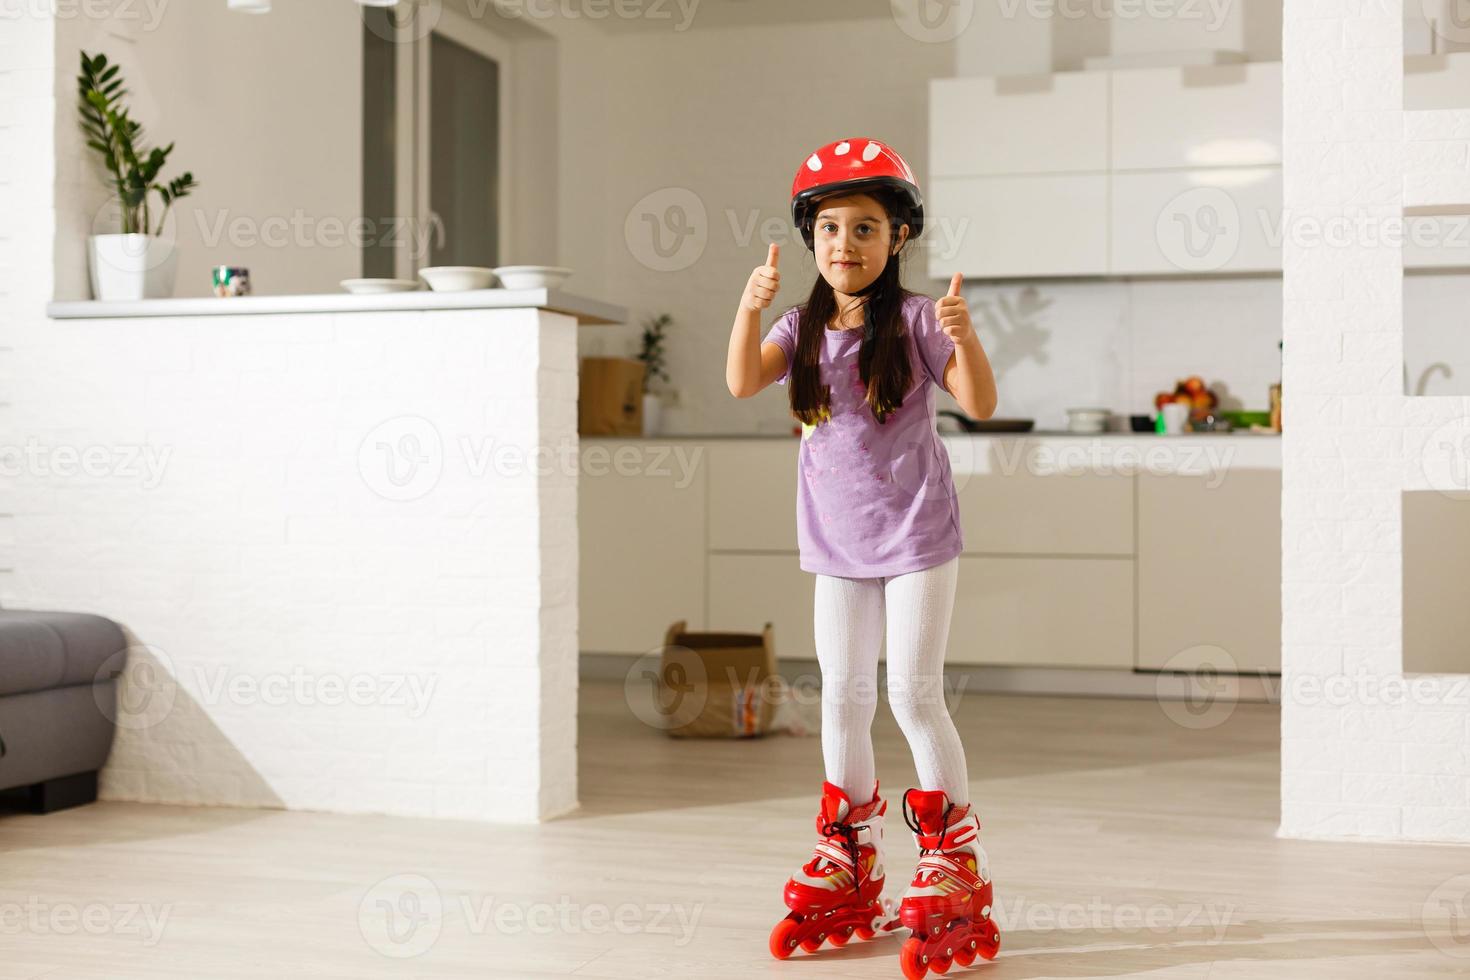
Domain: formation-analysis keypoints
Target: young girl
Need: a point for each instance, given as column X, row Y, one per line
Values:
column 878, row 524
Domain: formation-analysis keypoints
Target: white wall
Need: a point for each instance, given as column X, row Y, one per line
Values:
column 712, row 125
column 266, row 111
column 1362, row 755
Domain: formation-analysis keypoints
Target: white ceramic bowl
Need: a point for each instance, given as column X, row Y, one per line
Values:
column 374, row 287
column 1087, row 419
column 457, row 278
column 532, row 276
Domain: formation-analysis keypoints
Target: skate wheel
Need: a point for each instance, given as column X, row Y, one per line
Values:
column 781, row 945
column 965, row 955
column 990, row 943
column 941, row 963
column 910, row 959
column 840, row 938
column 865, row 932
column 814, row 943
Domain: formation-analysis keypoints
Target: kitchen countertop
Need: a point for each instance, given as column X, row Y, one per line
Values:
column 1210, row 454
column 1046, row 433
column 587, row 311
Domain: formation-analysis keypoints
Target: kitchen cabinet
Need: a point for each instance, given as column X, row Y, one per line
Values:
column 749, row 590
column 752, row 495
column 1018, row 124
column 1437, row 238
column 1127, row 172
column 1043, row 612
column 1203, row 116
column 1195, row 221
column 641, row 514
column 1435, row 535
column 1209, row 570
column 1074, row 558
column 1048, row 509
column 1001, row 227
column 1437, row 81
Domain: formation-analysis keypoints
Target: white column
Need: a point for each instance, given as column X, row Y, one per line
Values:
column 1362, row 756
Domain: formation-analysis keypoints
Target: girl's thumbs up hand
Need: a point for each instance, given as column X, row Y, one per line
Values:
column 953, row 313
column 764, row 282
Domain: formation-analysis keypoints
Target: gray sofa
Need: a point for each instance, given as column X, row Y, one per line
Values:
column 58, row 703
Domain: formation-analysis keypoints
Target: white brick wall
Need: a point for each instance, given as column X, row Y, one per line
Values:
column 292, row 531
column 1361, row 758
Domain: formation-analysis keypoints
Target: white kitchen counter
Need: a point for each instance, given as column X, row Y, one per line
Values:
column 1116, row 551
column 587, row 311
column 350, row 490
column 1044, row 452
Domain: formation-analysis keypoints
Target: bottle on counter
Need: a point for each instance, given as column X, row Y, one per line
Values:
column 1275, row 392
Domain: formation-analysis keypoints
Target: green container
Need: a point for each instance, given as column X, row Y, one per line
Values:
column 1244, row 420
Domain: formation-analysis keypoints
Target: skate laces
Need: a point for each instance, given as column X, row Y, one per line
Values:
column 937, row 861
column 911, row 817
column 848, row 834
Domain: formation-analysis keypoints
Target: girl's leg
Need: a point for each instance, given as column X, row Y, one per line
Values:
column 919, row 606
column 849, row 634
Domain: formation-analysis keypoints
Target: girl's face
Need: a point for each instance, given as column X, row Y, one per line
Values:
column 853, row 241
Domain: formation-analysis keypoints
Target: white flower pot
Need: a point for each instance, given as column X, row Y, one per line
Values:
column 652, row 414
column 127, row 267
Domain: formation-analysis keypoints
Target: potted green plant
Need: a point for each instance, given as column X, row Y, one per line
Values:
column 652, row 356
column 136, row 263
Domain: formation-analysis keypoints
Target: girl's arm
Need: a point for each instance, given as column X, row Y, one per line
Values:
column 750, row 365
column 967, row 376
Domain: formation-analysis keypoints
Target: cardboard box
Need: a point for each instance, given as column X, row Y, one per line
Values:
column 717, row 685
column 610, row 396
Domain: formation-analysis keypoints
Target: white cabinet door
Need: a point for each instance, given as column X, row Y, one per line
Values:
column 1018, row 495
column 1004, row 227
column 1209, row 570
column 1018, row 124
column 1437, row 81
column 1043, row 612
column 747, row 591
column 1199, row 116
column 752, row 493
column 1437, row 241
column 1031, row 612
column 641, row 520
column 1196, row 222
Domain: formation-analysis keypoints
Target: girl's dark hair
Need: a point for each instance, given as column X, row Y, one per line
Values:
column 882, row 343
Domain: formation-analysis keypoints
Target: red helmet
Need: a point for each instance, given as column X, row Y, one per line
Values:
column 853, row 165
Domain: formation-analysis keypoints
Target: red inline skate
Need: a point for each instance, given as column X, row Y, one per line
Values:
column 839, row 891
column 948, row 905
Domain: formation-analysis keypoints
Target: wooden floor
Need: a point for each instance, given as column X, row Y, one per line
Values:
column 1122, row 845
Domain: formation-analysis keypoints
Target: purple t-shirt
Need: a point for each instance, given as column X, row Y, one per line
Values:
column 874, row 500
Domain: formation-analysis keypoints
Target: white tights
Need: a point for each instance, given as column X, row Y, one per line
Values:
column 850, row 615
